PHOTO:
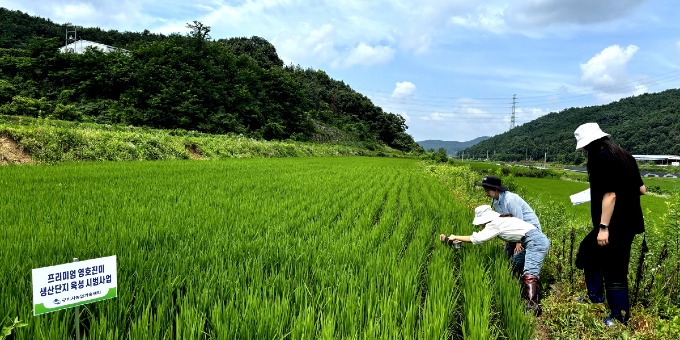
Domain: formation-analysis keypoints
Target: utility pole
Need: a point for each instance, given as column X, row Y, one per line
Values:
column 512, row 117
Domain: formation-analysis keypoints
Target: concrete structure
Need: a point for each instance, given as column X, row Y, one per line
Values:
column 659, row 159
column 80, row 46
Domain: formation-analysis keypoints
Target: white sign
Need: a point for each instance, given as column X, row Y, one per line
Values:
column 580, row 197
column 73, row 284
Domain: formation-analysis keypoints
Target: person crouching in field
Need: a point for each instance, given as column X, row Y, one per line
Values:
column 512, row 229
column 510, row 204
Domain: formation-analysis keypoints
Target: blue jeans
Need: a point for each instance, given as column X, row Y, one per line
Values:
column 536, row 246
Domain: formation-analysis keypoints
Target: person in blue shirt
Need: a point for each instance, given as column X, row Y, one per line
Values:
column 510, row 204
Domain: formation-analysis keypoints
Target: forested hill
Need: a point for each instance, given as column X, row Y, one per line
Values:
column 645, row 124
column 190, row 82
column 452, row 147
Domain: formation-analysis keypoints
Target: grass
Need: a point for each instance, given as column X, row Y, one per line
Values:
column 557, row 190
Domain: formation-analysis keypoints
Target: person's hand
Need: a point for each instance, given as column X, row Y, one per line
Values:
column 518, row 248
column 603, row 237
column 449, row 239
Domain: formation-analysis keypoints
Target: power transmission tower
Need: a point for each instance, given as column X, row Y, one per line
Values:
column 512, row 118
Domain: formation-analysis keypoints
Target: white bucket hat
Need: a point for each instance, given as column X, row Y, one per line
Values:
column 588, row 133
column 484, row 214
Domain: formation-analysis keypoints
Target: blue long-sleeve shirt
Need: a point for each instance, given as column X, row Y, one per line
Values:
column 510, row 203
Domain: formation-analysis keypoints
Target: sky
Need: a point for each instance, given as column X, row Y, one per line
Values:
column 454, row 69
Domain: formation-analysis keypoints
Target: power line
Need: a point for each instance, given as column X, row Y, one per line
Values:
column 550, row 98
column 452, row 109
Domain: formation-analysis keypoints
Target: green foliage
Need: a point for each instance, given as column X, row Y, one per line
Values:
column 236, row 85
column 7, row 330
column 437, row 156
column 53, row 141
column 26, row 106
column 262, row 51
column 7, row 91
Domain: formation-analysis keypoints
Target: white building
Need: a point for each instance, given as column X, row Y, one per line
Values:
column 80, row 46
column 659, row 159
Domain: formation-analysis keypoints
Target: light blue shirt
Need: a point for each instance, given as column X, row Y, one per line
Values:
column 510, row 203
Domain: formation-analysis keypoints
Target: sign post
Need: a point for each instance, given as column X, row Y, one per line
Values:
column 76, row 319
column 73, row 284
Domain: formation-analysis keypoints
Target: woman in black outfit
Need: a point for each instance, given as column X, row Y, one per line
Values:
column 615, row 189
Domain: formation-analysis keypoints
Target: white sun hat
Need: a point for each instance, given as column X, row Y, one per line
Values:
column 588, row 133
column 484, row 214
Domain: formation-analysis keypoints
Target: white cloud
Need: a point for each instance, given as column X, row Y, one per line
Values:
column 364, row 55
column 465, row 109
column 542, row 13
column 608, row 68
column 403, row 89
column 121, row 15
column 488, row 17
column 437, row 116
column 606, row 73
column 316, row 44
column 524, row 115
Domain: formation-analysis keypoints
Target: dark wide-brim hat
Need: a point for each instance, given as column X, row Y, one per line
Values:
column 492, row 182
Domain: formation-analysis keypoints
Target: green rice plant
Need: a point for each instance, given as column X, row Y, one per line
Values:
column 317, row 247
column 477, row 298
column 7, row 330
column 516, row 323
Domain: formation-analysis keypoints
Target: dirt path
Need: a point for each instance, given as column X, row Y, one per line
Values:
column 12, row 153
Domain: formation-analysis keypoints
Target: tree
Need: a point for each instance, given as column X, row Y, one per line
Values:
column 263, row 52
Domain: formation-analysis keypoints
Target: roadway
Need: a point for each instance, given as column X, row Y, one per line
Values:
column 642, row 173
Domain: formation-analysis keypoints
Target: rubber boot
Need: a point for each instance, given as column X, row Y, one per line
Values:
column 617, row 299
column 530, row 293
column 595, row 285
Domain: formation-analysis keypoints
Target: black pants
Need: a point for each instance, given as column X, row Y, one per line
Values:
column 611, row 260
column 609, row 265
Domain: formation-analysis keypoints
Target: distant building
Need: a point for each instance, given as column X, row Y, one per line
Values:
column 80, row 46
column 659, row 159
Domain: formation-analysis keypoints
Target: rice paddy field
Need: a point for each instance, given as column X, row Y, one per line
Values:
column 288, row 248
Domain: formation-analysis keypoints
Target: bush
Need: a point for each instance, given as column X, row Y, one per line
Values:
column 25, row 106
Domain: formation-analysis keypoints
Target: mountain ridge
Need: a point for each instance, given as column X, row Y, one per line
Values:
column 647, row 124
column 452, row 147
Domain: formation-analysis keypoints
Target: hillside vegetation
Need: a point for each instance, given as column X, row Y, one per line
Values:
column 452, row 147
column 47, row 141
column 645, row 124
column 191, row 82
